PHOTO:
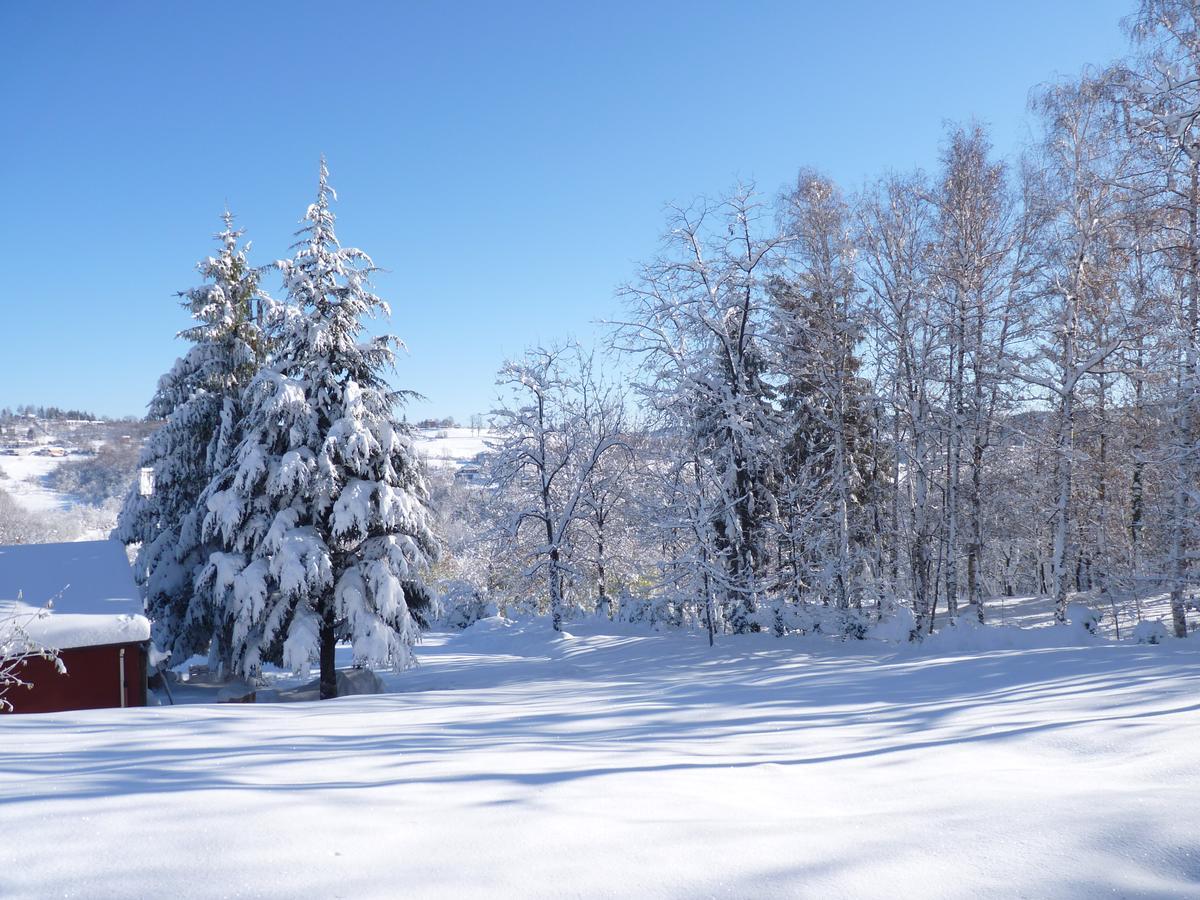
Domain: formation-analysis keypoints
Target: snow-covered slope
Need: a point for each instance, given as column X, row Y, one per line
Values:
column 514, row 764
column 21, row 476
column 451, row 446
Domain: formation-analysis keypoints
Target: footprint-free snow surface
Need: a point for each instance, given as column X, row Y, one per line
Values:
column 516, row 764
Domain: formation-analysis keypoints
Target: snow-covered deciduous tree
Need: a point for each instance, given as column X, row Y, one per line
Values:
column 982, row 255
column 610, row 513
column 895, row 234
column 476, row 574
column 556, row 431
column 200, row 404
column 1163, row 100
column 825, row 409
column 1080, row 176
column 322, row 510
column 698, row 315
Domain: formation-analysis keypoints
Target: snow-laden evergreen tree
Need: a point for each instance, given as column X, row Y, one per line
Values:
column 322, row 511
column 199, row 402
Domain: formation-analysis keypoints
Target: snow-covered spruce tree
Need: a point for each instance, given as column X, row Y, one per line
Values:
column 323, row 510
column 199, row 403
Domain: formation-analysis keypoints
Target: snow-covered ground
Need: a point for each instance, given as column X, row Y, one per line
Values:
column 451, row 446
column 1117, row 620
column 632, row 764
column 21, row 476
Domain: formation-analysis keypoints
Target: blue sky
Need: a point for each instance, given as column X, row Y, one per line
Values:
column 507, row 164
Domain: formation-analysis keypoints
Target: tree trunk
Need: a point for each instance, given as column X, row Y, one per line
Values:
column 603, row 606
column 975, row 550
column 328, row 661
column 1062, row 521
column 954, row 459
column 556, row 604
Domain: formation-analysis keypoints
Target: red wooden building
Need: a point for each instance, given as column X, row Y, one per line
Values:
column 95, row 623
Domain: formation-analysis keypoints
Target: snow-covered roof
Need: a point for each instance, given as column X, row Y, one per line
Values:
column 90, row 577
column 61, row 631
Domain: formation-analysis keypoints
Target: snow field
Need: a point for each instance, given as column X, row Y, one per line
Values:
column 617, row 764
column 22, row 479
column 451, row 446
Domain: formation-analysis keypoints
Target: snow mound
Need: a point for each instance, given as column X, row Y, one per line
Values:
column 1081, row 614
column 534, row 636
column 969, row 635
column 897, row 627
column 1150, row 632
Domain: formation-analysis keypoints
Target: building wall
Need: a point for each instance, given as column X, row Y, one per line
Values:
column 92, row 680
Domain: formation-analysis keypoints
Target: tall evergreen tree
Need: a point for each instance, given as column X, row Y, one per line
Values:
column 323, row 509
column 199, row 401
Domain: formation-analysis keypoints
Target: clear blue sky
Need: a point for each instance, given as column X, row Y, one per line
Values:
column 508, row 163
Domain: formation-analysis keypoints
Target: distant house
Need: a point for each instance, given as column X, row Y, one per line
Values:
column 96, row 624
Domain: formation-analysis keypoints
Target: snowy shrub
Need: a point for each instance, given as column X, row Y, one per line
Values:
column 854, row 626
column 521, row 607
column 897, row 624
column 655, row 611
column 786, row 617
column 1080, row 614
column 462, row 605
column 1150, row 632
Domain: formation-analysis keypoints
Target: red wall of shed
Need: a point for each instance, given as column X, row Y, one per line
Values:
column 92, row 680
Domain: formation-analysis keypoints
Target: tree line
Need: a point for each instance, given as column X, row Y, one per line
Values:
column 942, row 388
column 819, row 410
